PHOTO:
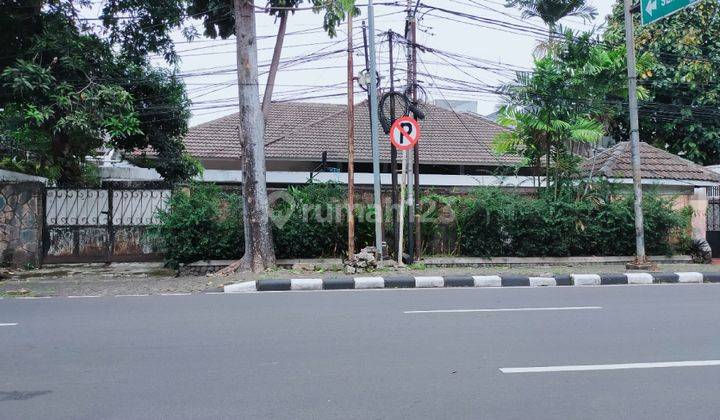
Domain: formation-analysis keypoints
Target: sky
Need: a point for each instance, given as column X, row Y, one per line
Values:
column 469, row 57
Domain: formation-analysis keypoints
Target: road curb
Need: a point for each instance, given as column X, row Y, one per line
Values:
column 422, row 282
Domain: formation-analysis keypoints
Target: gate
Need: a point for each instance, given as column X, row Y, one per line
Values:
column 712, row 234
column 101, row 225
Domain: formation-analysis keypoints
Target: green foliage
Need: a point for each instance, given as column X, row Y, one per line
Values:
column 219, row 21
column 552, row 11
column 65, row 92
column 575, row 95
column 491, row 222
column 317, row 224
column 201, row 223
column 681, row 113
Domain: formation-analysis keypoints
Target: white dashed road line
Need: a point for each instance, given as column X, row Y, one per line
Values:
column 452, row 311
column 578, row 368
column 8, row 324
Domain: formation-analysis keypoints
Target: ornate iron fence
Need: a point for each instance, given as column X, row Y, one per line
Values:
column 109, row 224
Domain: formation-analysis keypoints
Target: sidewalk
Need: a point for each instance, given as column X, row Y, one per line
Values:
column 153, row 279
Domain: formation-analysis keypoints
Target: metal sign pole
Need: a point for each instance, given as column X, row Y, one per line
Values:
column 374, row 133
column 402, row 208
column 640, row 257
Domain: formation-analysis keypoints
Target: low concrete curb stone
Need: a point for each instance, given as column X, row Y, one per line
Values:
column 397, row 282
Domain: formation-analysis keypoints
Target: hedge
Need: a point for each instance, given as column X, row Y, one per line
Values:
column 203, row 222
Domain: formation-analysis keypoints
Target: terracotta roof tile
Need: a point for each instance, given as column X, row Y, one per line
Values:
column 616, row 162
column 302, row 131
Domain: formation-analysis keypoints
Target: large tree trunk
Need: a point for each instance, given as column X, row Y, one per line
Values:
column 275, row 63
column 259, row 253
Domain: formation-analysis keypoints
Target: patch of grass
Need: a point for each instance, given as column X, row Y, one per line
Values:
column 417, row 266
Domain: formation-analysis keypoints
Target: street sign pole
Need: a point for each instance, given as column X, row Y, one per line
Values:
column 372, row 89
column 641, row 261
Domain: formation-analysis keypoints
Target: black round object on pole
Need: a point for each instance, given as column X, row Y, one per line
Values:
column 393, row 105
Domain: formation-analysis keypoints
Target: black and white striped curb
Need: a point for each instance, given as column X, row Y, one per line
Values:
column 395, row 282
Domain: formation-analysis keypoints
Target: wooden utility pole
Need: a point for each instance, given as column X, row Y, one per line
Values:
column 374, row 125
column 351, row 141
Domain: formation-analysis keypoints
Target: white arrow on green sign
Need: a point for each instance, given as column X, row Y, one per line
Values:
column 652, row 10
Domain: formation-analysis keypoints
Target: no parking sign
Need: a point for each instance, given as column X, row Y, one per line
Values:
column 404, row 133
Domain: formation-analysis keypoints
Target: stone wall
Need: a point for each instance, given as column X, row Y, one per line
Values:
column 21, row 223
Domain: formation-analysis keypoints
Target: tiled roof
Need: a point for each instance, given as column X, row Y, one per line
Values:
column 616, row 162
column 302, row 131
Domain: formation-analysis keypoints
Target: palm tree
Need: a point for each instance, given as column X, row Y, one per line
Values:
column 552, row 11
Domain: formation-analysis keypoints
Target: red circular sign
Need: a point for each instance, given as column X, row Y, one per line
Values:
column 404, row 133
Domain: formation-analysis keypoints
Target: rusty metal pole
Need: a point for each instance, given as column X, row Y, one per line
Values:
column 351, row 141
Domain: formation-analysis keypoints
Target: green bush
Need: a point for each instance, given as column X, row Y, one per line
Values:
column 309, row 221
column 491, row 222
column 201, row 222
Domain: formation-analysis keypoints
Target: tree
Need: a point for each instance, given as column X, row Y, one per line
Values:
column 66, row 92
column 681, row 112
column 259, row 253
column 564, row 102
column 552, row 11
column 224, row 18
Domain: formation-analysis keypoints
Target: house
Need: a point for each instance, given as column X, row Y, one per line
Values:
column 455, row 147
column 669, row 173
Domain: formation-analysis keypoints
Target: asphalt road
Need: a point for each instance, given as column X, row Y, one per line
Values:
column 360, row 355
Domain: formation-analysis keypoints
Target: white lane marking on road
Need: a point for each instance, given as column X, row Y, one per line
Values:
column 34, row 297
column 83, row 297
column 174, row 294
column 131, row 295
column 8, row 324
column 620, row 366
column 451, row 311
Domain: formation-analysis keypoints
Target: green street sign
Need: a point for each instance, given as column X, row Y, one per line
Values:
column 652, row 10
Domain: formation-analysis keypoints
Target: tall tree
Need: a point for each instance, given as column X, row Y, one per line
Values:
column 66, row 92
column 334, row 14
column 259, row 253
column 552, row 11
column 571, row 97
column 682, row 112
column 225, row 18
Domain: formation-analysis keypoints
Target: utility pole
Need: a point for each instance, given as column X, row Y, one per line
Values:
column 351, row 141
column 641, row 261
column 414, row 239
column 372, row 89
column 393, row 151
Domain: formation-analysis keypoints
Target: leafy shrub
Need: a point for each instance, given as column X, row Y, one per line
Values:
column 201, row 222
column 309, row 221
column 491, row 222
